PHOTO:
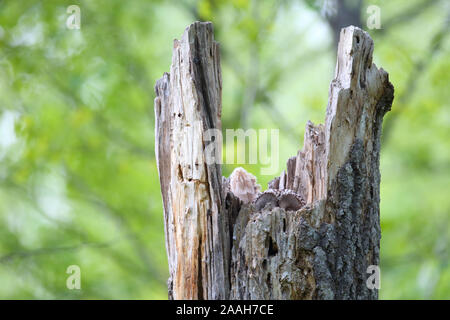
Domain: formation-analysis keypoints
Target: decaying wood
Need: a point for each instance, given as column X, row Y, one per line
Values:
column 188, row 103
column 315, row 231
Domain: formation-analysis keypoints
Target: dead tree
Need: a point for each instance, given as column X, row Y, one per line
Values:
column 315, row 231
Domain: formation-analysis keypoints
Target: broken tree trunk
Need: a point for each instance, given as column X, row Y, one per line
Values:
column 315, row 231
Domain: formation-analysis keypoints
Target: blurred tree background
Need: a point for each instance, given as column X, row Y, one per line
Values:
column 78, row 179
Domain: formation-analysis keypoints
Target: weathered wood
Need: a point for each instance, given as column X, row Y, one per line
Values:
column 322, row 251
column 187, row 105
column 313, row 234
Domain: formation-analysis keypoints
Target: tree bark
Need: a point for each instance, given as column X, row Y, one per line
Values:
column 187, row 104
column 315, row 231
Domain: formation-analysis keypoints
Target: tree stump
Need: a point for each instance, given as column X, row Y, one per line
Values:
column 316, row 230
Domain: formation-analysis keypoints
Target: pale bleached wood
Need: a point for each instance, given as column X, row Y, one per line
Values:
column 188, row 103
column 313, row 234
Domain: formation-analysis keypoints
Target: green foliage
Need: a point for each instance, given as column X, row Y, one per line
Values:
column 78, row 178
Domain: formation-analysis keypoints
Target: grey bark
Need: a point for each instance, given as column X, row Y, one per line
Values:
column 315, row 231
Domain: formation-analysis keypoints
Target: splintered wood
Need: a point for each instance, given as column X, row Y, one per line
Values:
column 315, row 231
column 305, row 173
column 187, row 103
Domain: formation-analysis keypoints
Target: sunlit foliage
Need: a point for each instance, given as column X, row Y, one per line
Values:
column 78, row 178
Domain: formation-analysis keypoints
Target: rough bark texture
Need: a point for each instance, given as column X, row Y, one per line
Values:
column 315, row 231
column 187, row 104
